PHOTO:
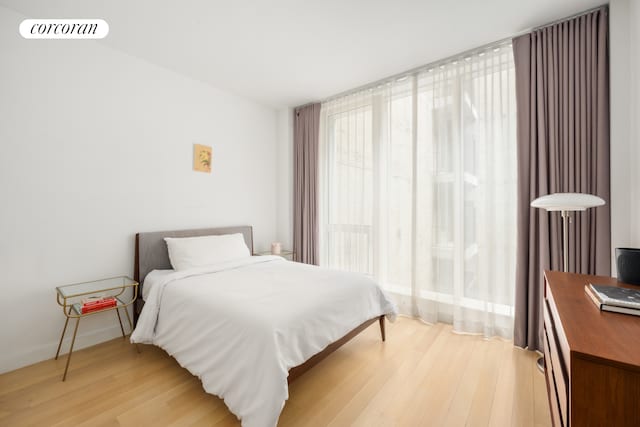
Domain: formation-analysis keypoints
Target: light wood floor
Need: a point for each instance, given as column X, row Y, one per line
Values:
column 422, row 376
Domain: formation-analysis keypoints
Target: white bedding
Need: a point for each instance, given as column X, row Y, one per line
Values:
column 240, row 326
column 153, row 278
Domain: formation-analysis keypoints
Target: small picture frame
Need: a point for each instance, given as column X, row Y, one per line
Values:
column 202, row 158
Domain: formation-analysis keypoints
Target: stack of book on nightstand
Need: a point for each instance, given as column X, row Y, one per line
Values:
column 613, row 298
column 97, row 303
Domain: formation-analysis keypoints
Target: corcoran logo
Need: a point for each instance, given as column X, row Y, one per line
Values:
column 64, row 29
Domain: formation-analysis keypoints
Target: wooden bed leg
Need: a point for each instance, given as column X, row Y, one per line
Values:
column 381, row 320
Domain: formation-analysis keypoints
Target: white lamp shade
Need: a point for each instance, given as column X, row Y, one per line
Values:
column 567, row 202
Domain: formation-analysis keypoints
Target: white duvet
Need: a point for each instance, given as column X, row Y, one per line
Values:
column 240, row 326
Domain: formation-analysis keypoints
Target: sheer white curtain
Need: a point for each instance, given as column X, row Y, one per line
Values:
column 417, row 181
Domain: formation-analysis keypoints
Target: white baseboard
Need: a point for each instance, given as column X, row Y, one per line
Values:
column 15, row 360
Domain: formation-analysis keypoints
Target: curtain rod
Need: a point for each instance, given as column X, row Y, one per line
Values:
column 434, row 64
column 569, row 18
column 451, row 58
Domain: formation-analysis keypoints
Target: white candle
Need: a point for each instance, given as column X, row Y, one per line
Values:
column 276, row 248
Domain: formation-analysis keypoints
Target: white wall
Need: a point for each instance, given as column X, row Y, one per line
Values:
column 285, row 177
column 625, row 116
column 620, row 126
column 96, row 145
column 634, row 138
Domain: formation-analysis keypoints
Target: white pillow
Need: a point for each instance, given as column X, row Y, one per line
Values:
column 193, row 252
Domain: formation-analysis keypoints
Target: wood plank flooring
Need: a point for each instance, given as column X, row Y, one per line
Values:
column 422, row 376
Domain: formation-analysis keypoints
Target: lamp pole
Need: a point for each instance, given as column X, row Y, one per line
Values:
column 565, row 203
column 565, row 241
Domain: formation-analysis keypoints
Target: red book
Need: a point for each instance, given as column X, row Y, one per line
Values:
column 97, row 301
column 97, row 307
column 102, row 303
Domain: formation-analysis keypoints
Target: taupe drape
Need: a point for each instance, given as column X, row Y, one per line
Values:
column 562, row 92
column 305, row 182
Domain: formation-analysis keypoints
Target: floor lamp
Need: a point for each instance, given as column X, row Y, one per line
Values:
column 565, row 203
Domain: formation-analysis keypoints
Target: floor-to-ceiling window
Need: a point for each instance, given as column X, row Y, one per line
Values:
column 418, row 189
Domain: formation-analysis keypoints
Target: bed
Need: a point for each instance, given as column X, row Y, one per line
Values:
column 248, row 327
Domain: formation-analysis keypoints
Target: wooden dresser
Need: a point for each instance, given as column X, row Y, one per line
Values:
column 592, row 358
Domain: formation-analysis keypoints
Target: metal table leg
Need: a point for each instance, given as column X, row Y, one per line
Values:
column 120, row 320
column 66, row 322
column 126, row 311
column 73, row 340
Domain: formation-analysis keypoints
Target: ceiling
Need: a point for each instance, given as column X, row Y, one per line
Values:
column 289, row 52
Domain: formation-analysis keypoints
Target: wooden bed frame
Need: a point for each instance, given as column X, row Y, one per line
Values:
column 157, row 258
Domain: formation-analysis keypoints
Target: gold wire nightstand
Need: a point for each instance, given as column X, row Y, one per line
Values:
column 69, row 297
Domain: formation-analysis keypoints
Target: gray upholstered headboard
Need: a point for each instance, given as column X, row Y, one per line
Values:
column 151, row 249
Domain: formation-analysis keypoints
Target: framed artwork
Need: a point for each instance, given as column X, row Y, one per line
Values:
column 202, row 158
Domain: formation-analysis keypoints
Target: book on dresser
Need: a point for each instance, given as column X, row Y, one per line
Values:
column 614, row 299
